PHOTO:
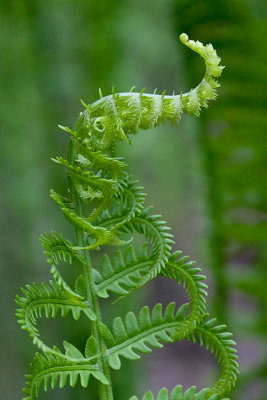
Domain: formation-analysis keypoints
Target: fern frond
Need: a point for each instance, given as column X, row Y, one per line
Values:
column 47, row 300
column 183, row 271
column 124, row 273
column 103, row 204
column 129, row 202
column 129, row 205
column 52, row 369
column 57, row 248
column 131, row 198
column 95, row 159
column 80, row 176
column 121, row 114
column 88, row 186
column 178, row 394
column 136, row 334
column 218, row 340
column 154, row 229
column 89, row 157
column 111, row 167
column 101, row 235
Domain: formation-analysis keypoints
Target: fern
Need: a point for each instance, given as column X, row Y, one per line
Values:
column 53, row 369
column 123, row 274
column 139, row 333
column 177, row 394
column 180, row 269
column 103, row 205
column 48, row 300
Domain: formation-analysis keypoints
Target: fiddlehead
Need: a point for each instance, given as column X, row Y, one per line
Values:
column 116, row 116
column 103, row 205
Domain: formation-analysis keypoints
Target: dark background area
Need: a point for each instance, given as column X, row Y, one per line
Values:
column 206, row 176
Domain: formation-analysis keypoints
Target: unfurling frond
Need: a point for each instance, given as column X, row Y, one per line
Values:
column 47, row 300
column 154, row 230
column 183, row 270
column 51, row 370
column 105, row 206
column 122, row 114
column 57, row 248
column 219, row 341
column 139, row 334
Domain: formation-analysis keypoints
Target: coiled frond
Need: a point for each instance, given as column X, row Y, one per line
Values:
column 57, row 248
column 50, row 369
column 121, row 114
column 218, row 341
column 48, row 300
column 103, row 204
column 181, row 269
column 154, row 230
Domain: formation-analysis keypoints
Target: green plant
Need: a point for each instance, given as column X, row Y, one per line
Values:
column 104, row 204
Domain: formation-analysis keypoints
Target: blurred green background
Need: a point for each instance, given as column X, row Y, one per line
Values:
column 207, row 176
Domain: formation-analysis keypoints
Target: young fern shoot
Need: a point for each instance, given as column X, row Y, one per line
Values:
column 103, row 204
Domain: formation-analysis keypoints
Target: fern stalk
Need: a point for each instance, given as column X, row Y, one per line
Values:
column 105, row 391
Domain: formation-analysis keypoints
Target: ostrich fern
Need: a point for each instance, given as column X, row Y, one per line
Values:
column 103, row 204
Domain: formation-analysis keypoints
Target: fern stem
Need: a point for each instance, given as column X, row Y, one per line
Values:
column 105, row 391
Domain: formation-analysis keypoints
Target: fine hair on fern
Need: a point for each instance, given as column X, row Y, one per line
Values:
column 103, row 204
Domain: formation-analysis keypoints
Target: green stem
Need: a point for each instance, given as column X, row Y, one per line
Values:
column 105, row 391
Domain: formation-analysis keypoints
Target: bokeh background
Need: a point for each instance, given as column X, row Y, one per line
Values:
column 207, row 176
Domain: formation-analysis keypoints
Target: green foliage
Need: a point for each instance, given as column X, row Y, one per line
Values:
column 217, row 339
column 136, row 334
column 53, row 369
column 177, row 394
column 123, row 274
column 235, row 163
column 104, row 205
